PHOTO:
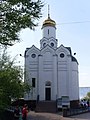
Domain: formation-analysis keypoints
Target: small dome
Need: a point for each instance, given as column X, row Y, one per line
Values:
column 49, row 22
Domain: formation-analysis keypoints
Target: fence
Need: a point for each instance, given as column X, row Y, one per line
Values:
column 70, row 112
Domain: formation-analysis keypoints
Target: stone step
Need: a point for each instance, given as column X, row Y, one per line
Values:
column 46, row 106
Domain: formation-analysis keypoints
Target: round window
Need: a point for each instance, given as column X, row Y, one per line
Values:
column 61, row 55
column 52, row 44
column 33, row 55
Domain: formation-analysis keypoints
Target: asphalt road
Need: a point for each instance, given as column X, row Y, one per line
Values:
column 52, row 116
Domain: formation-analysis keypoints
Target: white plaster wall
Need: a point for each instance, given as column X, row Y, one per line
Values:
column 55, row 78
column 31, row 71
column 75, row 82
column 40, row 78
column 45, row 72
column 69, row 75
column 48, row 66
column 62, row 83
column 62, row 77
column 52, row 32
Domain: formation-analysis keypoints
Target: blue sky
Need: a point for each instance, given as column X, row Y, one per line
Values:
column 73, row 30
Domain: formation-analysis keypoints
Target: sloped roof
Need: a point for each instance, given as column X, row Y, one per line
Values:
column 69, row 48
column 74, row 59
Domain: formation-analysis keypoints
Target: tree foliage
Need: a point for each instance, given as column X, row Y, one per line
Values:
column 11, row 84
column 88, row 94
column 16, row 15
column 87, row 97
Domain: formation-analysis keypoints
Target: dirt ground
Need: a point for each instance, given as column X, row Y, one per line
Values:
column 52, row 116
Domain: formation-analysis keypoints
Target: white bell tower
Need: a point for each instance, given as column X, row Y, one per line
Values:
column 49, row 33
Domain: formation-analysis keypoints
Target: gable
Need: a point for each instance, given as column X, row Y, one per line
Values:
column 47, row 49
column 66, row 50
column 43, row 39
column 32, row 49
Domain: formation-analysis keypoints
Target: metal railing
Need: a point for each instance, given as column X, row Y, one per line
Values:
column 76, row 111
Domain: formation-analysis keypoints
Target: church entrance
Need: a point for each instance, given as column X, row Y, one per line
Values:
column 47, row 93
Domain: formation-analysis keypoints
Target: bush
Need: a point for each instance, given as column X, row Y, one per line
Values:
column 6, row 115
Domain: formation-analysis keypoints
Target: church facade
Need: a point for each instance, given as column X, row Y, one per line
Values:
column 51, row 71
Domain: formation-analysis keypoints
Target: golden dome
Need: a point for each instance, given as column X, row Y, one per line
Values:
column 49, row 22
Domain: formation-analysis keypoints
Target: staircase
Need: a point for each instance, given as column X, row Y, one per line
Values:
column 46, row 106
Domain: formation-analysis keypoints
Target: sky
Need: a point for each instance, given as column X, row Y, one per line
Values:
column 72, row 19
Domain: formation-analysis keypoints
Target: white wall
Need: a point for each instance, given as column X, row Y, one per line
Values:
column 75, row 82
column 52, row 32
column 49, row 66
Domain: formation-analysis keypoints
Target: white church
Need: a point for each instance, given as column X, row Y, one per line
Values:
column 52, row 71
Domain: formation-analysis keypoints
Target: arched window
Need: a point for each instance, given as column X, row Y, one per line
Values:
column 48, row 83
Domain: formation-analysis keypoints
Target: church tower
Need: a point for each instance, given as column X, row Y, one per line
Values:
column 49, row 33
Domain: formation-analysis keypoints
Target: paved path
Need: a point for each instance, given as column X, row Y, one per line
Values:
column 51, row 116
column 84, row 116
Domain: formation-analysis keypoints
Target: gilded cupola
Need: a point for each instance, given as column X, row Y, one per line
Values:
column 49, row 22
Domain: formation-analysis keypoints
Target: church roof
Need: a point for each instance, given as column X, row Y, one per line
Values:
column 49, row 22
column 69, row 48
column 74, row 59
column 33, row 47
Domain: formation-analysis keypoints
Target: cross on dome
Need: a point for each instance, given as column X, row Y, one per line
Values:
column 48, row 12
column 49, row 21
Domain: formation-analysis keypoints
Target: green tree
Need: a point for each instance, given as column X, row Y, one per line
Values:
column 11, row 84
column 16, row 15
column 88, row 94
column 87, row 97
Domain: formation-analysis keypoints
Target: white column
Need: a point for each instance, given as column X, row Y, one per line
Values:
column 69, row 76
column 40, row 78
column 55, row 78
